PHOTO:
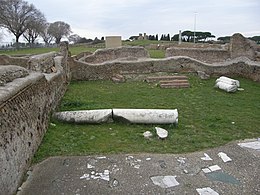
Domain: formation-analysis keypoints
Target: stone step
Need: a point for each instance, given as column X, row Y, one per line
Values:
column 175, row 85
column 174, row 82
column 159, row 78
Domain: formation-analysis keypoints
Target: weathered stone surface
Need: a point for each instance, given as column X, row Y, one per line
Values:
column 85, row 116
column 162, row 133
column 228, row 81
column 165, row 78
column 111, row 54
column 226, row 87
column 239, row 66
column 146, row 116
column 118, row 78
column 241, row 46
column 42, row 62
column 202, row 75
column 81, row 56
column 8, row 60
column 227, row 84
column 10, row 72
column 208, row 55
column 147, row 134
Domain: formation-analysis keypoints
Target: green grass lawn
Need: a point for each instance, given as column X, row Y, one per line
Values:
column 208, row 117
column 75, row 50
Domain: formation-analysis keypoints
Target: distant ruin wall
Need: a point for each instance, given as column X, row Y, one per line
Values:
column 239, row 47
column 110, row 54
column 25, row 107
column 240, row 67
column 204, row 55
column 19, row 61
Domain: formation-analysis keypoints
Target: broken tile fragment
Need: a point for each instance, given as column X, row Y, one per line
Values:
column 165, row 181
column 84, row 176
column 211, row 169
column 253, row 145
column 206, row 191
column 224, row 157
column 89, row 166
column 181, row 160
column 162, row 133
column 105, row 175
column 101, row 157
column 214, row 168
column 206, row 170
column 206, row 157
column 147, row 134
column 133, row 162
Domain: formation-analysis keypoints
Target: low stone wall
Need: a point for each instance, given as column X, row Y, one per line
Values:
column 26, row 104
column 204, row 55
column 239, row 66
column 19, row 61
column 239, row 47
column 104, row 55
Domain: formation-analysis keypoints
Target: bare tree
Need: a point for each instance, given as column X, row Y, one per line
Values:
column 74, row 38
column 47, row 38
column 16, row 15
column 1, row 35
column 34, row 29
column 58, row 30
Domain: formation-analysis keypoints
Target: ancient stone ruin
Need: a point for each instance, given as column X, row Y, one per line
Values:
column 124, row 61
column 31, row 87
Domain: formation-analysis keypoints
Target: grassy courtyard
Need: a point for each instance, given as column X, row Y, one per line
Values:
column 208, row 117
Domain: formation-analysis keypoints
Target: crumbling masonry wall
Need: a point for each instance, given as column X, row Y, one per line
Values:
column 203, row 54
column 235, row 60
column 237, row 67
column 25, row 107
column 239, row 47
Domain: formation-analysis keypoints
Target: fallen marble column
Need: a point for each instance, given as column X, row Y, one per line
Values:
column 226, row 87
column 85, row 116
column 146, row 116
column 228, row 81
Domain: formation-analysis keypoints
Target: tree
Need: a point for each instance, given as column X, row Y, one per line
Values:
column 1, row 35
column 16, row 15
column 133, row 38
column 256, row 39
column 34, row 29
column 74, row 38
column 187, row 35
column 203, row 36
column 225, row 39
column 168, row 37
column 84, row 40
column 175, row 37
column 47, row 38
column 58, row 30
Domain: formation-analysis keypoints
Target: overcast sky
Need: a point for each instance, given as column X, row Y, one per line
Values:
column 97, row 18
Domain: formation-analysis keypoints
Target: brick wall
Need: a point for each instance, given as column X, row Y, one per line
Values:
column 25, row 108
